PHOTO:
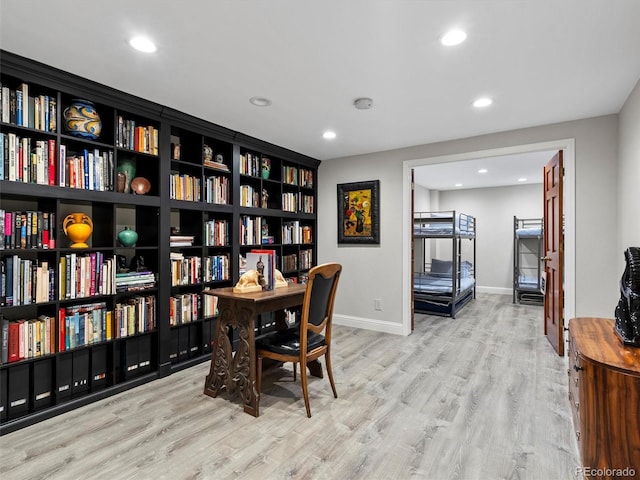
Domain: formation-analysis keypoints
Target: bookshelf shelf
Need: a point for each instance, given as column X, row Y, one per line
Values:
column 126, row 336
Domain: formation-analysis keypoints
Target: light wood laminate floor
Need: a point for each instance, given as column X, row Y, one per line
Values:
column 483, row 396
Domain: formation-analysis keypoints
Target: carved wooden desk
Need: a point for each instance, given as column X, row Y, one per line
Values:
column 238, row 372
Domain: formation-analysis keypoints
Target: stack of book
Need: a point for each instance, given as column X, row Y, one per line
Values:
column 214, row 164
column 131, row 281
column 181, row 240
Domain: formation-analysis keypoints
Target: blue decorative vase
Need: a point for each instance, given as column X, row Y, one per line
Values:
column 128, row 237
column 82, row 120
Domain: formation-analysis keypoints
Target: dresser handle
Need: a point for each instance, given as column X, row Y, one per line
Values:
column 577, row 368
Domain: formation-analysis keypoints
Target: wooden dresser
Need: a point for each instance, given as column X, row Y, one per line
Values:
column 604, row 391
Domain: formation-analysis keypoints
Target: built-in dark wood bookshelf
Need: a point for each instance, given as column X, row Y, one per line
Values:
column 103, row 332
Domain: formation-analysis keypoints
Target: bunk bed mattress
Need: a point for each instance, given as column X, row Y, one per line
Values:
column 529, row 232
column 439, row 284
column 527, row 282
column 444, row 226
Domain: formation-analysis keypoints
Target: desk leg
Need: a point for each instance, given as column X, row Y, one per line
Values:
column 234, row 372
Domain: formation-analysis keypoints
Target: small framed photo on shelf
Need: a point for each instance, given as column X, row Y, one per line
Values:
column 359, row 212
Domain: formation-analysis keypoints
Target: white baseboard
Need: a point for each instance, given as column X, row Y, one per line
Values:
column 495, row 290
column 396, row 328
column 368, row 324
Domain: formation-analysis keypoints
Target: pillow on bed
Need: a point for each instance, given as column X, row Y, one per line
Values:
column 465, row 268
column 441, row 266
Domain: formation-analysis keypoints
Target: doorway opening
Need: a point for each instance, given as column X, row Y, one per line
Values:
column 568, row 148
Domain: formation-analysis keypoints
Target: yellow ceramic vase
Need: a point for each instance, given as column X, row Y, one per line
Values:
column 77, row 227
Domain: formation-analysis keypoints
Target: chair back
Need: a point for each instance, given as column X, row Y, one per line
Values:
column 319, row 297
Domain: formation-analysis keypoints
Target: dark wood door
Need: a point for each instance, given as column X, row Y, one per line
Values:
column 554, row 253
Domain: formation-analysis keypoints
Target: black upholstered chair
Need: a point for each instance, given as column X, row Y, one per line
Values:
column 312, row 339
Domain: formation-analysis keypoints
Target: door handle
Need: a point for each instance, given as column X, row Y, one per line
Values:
column 545, row 259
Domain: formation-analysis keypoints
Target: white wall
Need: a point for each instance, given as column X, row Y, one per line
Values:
column 494, row 209
column 375, row 271
column 629, row 176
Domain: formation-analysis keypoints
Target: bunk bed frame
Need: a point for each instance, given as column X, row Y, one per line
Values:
column 527, row 261
column 443, row 287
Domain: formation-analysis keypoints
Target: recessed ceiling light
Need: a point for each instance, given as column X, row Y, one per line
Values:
column 483, row 170
column 482, row 102
column 458, row 185
column 260, row 101
column 522, row 179
column 142, row 44
column 329, row 135
column 453, row 37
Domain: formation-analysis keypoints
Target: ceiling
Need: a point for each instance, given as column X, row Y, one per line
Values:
column 500, row 172
column 542, row 61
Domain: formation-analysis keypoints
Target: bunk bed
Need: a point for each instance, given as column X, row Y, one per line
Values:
column 528, row 268
column 442, row 286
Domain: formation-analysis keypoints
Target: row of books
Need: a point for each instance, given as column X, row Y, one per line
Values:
column 192, row 270
column 216, row 233
column 297, row 176
column 23, row 339
column 216, row 190
column 250, row 230
column 184, row 308
column 289, row 262
column 249, row 196
column 86, row 275
column 136, row 315
column 184, row 187
column 136, row 137
column 20, row 108
column 216, row 268
column 250, row 164
column 27, row 160
column 26, row 230
column 293, row 261
column 133, row 281
column 306, row 259
column 295, row 233
column 87, row 169
column 185, row 270
column 297, row 202
column 85, row 324
column 24, row 281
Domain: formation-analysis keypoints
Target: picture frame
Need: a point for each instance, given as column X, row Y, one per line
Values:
column 359, row 212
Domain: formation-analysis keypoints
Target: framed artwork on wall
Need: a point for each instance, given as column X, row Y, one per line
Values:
column 359, row 212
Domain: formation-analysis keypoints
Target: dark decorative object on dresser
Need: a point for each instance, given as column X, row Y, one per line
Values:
column 627, row 324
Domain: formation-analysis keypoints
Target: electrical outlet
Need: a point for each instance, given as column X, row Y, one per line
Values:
column 377, row 304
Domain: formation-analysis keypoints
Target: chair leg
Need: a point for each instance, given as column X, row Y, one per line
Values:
column 295, row 366
column 330, row 373
column 305, row 387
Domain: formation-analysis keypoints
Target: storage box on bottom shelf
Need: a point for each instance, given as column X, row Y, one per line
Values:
column 100, row 376
column 135, row 356
column 18, row 395
column 208, row 334
column 80, row 372
column 3, row 394
column 186, row 341
column 42, row 388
